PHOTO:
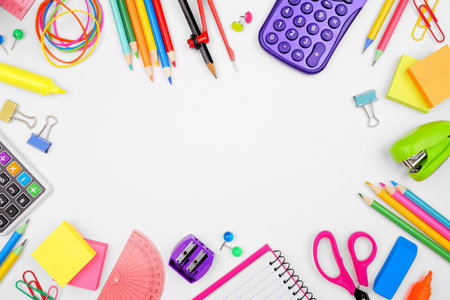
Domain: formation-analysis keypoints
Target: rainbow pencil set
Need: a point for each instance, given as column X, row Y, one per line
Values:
column 430, row 227
column 142, row 28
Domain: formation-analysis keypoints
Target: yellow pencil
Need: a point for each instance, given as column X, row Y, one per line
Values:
column 410, row 216
column 148, row 33
column 378, row 23
column 10, row 260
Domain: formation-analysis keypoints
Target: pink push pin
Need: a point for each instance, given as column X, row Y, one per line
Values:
column 238, row 26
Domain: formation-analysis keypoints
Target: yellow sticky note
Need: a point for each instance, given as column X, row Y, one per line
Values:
column 63, row 253
column 432, row 76
column 403, row 90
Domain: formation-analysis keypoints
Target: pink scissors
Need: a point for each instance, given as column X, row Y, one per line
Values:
column 344, row 279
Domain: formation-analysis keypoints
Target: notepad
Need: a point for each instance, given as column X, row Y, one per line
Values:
column 432, row 76
column 403, row 90
column 89, row 276
column 261, row 276
column 63, row 253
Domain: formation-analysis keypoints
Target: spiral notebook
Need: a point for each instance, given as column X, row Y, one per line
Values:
column 264, row 275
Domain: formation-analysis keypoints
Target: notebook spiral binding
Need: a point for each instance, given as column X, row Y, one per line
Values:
column 297, row 281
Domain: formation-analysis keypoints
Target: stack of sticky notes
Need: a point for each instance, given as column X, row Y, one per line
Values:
column 70, row 259
column 422, row 84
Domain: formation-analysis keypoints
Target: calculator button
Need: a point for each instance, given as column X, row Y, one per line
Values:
column 11, row 211
column 341, row 10
column 299, row 21
column 34, row 189
column 23, row 200
column 327, row 4
column 307, row 8
column 292, row 34
column 297, row 55
column 348, row 1
column 3, row 221
column 294, row 2
column 13, row 189
column 284, row 47
column 305, row 42
column 3, row 200
column 271, row 38
column 287, row 12
column 334, row 22
column 320, row 15
column 279, row 25
column 313, row 29
column 316, row 54
column 326, row 35
column 14, row 168
column 4, row 158
column 3, row 179
column 24, row 179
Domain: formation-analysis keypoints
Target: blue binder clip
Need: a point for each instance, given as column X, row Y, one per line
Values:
column 39, row 142
column 367, row 98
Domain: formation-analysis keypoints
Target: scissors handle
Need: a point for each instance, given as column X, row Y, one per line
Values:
column 343, row 279
column 361, row 265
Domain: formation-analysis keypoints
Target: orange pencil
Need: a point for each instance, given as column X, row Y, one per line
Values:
column 140, row 38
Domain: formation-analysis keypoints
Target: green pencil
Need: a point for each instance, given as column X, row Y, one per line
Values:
column 408, row 228
column 127, row 25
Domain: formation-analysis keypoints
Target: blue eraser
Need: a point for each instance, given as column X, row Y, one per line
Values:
column 395, row 268
column 365, row 98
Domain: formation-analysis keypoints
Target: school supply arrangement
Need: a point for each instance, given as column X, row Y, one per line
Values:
column 266, row 273
column 364, row 99
column 139, row 271
column 18, row 8
column 424, row 149
column 318, row 30
column 360, row 266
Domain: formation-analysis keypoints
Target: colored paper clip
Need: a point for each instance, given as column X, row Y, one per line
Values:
column 422, row 9
column 34, row 281
column 32, row 296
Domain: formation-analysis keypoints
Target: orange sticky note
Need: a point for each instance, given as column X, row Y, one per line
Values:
column 432, row 76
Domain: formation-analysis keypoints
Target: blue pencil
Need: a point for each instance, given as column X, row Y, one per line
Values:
column 422, row 204
column 158, row 39
column 12, row 242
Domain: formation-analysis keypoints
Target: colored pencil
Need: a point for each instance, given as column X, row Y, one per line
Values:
column 390, row 29
column 417, row 211
column 422, row 204
column 410, row 216
column 126, row 21
column 196, row 31
column 378, row 22
column 407, row 227
column 145, row 55
column 12, row 242
column 9, row 262
column 164, row 31
column 121, row 32
column 148, row 33
column 158, row 38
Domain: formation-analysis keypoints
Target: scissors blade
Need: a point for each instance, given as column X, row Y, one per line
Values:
column 361, row 295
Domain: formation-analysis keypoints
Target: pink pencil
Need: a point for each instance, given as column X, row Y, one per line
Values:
column 390, row 29
column 417, row 211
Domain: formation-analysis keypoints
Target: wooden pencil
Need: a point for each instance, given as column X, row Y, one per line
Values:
column 148, row 31
column 164, row 31
column 127, row 26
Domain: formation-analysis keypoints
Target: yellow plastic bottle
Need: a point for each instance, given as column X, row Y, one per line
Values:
column 28, row 80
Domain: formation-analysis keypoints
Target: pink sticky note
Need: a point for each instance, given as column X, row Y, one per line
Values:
column 89, row 276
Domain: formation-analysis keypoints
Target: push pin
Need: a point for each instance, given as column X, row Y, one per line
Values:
column 2, row 42
column 7, row 113
column 17, row 35
column 367, row 98
column 228, row 237
column 238, row 26
column 39, row 142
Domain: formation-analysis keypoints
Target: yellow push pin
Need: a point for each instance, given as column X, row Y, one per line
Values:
column 7, row 113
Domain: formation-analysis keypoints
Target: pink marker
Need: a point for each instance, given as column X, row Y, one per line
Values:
column 390, row 29
column 412, row 207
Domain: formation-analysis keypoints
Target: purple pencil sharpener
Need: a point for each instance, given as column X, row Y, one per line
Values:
column 191, row 258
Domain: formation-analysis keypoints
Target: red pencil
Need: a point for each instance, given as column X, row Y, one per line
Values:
column 164, row 31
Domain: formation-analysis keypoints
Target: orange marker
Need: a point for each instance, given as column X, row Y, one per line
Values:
column 421, row 290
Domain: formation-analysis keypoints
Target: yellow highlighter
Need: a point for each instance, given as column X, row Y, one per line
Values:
column 148, row 33
column 9, row 262
column 378, row 23
column 28, row 80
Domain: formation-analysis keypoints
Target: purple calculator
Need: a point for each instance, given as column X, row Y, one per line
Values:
column 305, row 33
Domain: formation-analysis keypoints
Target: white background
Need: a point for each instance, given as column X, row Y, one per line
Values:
column 272, row 154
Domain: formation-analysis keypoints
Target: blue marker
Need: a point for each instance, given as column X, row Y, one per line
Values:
column 158, row 39
column 12, row 242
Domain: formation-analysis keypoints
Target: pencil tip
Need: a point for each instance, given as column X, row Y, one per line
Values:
column 170, row 79
column 394, row 183
column 136, row 53
column 368, row 183
column 131, row 67
column 382, row 184
column 360, row 195
column 151, row 77
column 174, row 65
column 28, row 220
column 23, row 243
column 374, row 62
